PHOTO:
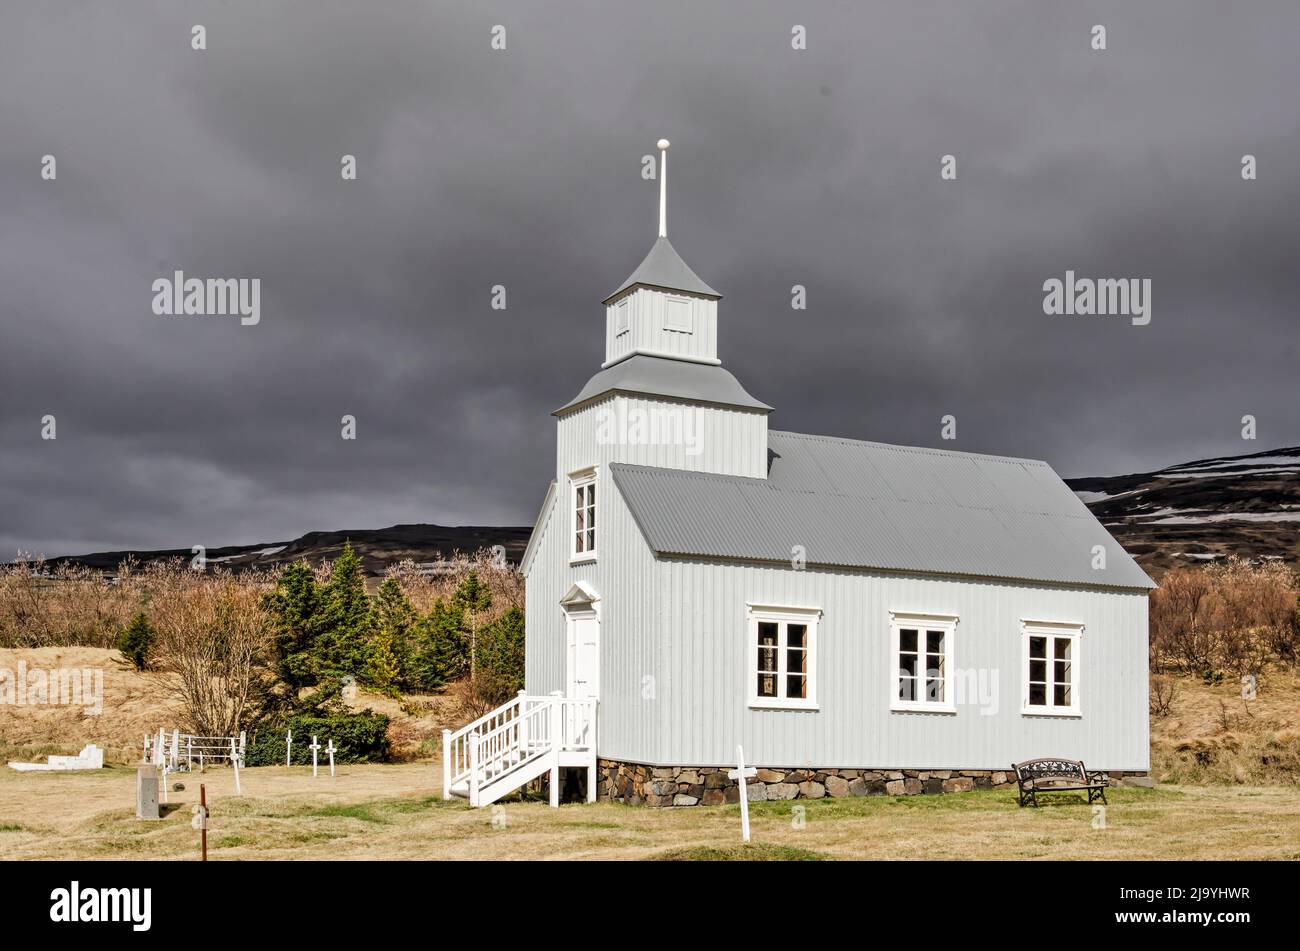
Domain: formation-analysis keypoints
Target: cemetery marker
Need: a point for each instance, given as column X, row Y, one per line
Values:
column 740, row 773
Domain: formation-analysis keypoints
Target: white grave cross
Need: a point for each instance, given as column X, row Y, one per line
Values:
column 740, row 774
column 314, row 747
column 234, row 761
column 288, row 748
column 330, row 750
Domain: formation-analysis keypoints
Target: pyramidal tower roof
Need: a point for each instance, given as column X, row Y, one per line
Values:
column 663, row 267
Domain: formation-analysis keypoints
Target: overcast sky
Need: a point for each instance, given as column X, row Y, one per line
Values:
column 817, row 167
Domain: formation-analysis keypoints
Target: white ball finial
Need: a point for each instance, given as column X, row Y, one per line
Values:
column 663, row 144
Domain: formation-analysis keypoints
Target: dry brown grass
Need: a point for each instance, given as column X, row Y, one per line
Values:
column 1212, row 735
column 136, row 704
column 395, row 812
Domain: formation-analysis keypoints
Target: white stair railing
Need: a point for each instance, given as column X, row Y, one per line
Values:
column 517, row 733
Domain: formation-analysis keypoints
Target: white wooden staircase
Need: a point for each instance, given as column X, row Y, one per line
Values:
column 517, row 742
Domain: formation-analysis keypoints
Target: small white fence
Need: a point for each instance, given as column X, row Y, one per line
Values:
column 185, row 750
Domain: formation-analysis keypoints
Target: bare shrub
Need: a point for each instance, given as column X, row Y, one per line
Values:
column 1161, row 695
column 424, row 587
column 213, row 637
column 64, row 605
column 1237, row 615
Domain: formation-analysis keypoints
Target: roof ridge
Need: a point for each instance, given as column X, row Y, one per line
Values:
column 991, row 457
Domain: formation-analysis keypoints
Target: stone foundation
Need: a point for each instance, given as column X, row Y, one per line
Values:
column 636, row 784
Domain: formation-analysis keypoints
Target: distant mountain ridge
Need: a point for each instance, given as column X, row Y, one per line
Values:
column 1201, row 511
column 1185, row 514
column 379, row 548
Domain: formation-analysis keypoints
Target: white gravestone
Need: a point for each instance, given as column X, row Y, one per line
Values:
column 91, row 757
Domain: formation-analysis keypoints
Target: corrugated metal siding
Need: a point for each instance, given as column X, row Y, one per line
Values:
column 632, row 720
column 730, row 441
column 704, row 673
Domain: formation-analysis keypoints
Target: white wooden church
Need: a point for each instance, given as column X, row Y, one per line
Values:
column 861, row 617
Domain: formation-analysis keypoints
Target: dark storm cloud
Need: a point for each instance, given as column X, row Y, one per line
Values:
column 522, row 168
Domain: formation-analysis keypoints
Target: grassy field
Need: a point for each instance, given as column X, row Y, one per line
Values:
column 396, row 812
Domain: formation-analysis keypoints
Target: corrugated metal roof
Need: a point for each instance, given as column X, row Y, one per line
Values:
column 662, row 376
column 664, row 267
column 873, row 505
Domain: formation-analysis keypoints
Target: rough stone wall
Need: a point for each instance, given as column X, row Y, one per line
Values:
column 636, row 784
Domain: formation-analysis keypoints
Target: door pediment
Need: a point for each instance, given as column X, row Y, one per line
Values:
column 581, row 596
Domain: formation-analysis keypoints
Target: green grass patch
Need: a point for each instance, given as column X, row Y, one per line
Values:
column 761, row 852
column 362, row 811
column 10, row 827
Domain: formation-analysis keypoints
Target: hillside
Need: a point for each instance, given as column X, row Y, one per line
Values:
column 378, row 547
column 1200, row 511
column 1181, row 515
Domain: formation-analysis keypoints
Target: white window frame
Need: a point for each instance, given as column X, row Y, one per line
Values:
column 622, row 317
column 582, row 479
column 1051, row 630
column 923, row 621
column 782, row 615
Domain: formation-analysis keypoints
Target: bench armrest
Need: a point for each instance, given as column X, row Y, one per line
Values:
column 1099, row 778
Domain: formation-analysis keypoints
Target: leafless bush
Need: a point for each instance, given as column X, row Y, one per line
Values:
column 65, row 605
column 1161, row 695
column 424, row 588
column 212, row 640
column 485, row 692
column 1237, row 616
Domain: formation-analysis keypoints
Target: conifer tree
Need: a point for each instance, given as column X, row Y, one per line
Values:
column 438, row 647
column 293, row 607
column 473, row 597
column 136, row 640
column 393, row 619
column 344, row 619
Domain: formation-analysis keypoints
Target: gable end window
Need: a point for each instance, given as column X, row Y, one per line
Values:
column 921, row 662
column 1050, row 669
column 782, row 670
column 582, row 503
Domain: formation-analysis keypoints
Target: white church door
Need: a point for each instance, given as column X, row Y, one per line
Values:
column 583, row 674
column 584, row 655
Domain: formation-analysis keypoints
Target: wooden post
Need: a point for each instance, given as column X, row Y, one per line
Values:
column 557, row 711
column 472, row 740
column 521, row 729
column 203, row 816
column 446, row 764
column 591, row 738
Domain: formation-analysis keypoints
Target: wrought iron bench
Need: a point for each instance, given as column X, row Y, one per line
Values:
column 1037, row 776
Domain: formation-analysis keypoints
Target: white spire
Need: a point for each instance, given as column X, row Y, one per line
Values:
column 663, row 188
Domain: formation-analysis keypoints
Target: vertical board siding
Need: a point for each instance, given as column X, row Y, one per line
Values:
column 729, row 441
column 647, row 331
column 705, row 658
column 631, row 716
